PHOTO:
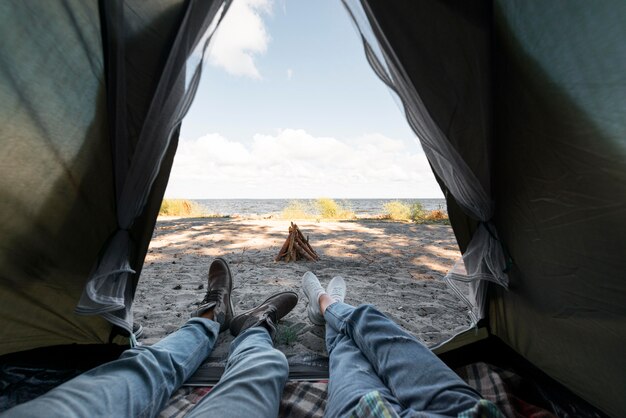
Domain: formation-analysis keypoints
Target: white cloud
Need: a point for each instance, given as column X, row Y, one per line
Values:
column 294, row 163
column 289, row 73
column 241, row 36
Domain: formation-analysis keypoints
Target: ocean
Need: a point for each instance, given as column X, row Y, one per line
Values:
column 362, row 207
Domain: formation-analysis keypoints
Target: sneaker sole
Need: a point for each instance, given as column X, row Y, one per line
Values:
column 313, row 316
column 230, row 288
column 343, row 286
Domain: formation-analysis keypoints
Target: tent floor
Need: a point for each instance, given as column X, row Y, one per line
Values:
column 29, row 374
column 538, row 388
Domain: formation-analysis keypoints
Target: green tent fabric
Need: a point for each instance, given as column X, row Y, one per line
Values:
column 142, row 133
column 532, row 95
column 92, row 95
column 436, row 101
column 560, row 107
column 527, row 99
column 56, row 189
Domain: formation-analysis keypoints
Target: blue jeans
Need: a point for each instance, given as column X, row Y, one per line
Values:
column 142, row 380
column 370, row 352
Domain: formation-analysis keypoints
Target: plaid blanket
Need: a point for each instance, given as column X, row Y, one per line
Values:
column 300, row 399
column 183, row 400
column 500, row 387
column 303, row 400
column 308, row 399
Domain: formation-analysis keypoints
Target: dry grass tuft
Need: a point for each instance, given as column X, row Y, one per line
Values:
column 180, row 207
column 397, row 211
column 400, row 211
column 298, row 210
column 329, row 209
column 323, row 208
column 436, row 215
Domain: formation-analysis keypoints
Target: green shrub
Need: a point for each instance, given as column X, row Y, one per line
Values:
column 180, row 207
column 417, row 212
column 397, row 211
column 400, row 211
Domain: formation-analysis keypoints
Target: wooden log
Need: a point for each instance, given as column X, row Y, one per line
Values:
column 283, row 250
column 303, row 253
column 292, row 239
column 305, row 248
column 296, row 247
column 305, row 242
column 309, row 248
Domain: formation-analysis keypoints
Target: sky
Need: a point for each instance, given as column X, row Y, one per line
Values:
column 288, row 107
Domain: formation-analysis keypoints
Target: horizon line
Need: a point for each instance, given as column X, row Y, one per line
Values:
column 298, row 198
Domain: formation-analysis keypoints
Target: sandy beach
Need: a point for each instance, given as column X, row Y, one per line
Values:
column 395, row 265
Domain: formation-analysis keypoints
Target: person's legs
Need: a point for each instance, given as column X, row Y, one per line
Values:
column 351, row 376
column 141, row 381
column 253, row 381
column 256, row 373
column 138, row 384
column 412, row 379
column 416, row 378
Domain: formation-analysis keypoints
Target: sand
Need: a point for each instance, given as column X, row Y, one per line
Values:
column 394, row 265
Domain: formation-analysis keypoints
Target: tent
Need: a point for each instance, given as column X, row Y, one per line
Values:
column 519, row 106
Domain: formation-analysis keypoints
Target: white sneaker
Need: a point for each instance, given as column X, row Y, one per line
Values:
column 337, row 289
column 312, row 290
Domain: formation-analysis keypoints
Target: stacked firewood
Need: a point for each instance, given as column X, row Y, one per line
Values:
column 296, row 247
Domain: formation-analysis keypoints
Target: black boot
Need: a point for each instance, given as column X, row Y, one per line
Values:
column 219, row 288
column 266, row 314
